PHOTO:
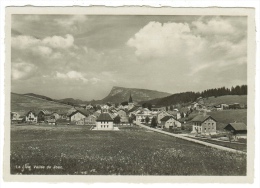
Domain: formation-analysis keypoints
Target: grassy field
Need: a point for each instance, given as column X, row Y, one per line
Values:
column 229, row 116
column 130, row 151
column 227, row 99
column 21, row 103
column 233, row 145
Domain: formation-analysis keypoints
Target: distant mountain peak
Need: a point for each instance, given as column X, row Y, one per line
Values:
column 121, row 94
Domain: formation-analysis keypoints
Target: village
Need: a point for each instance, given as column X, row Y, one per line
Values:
column 191, row 121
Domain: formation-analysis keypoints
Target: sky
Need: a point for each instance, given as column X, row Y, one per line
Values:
column 84, row 56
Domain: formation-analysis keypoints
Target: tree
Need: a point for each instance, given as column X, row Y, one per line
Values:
column 130, row 120
column 154, row 122
column 147, row 119
column 166, row 108
column 171, row 108
column 117, row 120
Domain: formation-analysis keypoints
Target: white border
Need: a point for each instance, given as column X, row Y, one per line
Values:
column 227, row 3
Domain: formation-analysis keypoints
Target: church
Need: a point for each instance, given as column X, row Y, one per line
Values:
column 130, row 102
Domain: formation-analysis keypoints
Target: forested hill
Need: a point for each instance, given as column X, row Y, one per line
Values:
column 186, row 97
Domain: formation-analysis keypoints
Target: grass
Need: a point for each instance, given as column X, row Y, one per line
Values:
column 227, row 99
column 225, row 117
column 22, row 103
column 237, row 146
column 131, row 151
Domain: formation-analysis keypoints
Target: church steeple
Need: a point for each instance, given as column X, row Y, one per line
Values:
column 130, row 99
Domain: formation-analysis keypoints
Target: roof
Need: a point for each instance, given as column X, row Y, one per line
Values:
column 173, row 112
column 31, row 111
column 104, row 117
column 166, row 118
column 46, row 112
column 238, row 126
column 82, row 111
column 134, row 108
column 202, row 118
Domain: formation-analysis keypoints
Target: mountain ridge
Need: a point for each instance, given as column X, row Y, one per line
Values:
column 120, row 94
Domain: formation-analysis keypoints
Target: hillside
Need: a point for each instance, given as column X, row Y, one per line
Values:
column 229, row 116
column 121, row 94
column 227, row 99
column 38, row 96
column 73, row 101
column 178, row 98
column 24, row 103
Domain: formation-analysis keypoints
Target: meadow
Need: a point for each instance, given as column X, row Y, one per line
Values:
column 77, row 150
column 23, row 104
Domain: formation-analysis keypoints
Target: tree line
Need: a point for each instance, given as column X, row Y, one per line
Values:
column 186, row 97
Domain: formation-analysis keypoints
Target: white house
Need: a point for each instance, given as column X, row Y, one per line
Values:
column 31, row 117
column 169, row 121
column 104, row 122
column 204, row 124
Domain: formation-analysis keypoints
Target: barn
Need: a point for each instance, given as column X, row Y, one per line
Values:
column 239, row 130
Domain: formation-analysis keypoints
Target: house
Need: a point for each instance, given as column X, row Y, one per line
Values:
column 63, row 116
column 121, row 113
column 239, row 130
column 169, row 121
column 44, row 115
column 55, row 115
column 97, row 113
column 51, row 122
column 204, row 124
column 234, row 106
column 158, row 109
column 89, row 106
column 142, row 114
column 105, row 108
column 17, row 117
column 176, row 114
column 31, row 117
column 90, row 120
column 104, row 122
column 78, row 115
column 80, row 122
column 161, row 115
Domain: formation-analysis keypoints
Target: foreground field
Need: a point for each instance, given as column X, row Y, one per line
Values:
column 130, row 151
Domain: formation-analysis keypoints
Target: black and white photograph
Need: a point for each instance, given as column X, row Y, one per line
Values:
column 130, row 94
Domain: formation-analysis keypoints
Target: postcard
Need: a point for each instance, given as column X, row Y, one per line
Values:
column 129, row 94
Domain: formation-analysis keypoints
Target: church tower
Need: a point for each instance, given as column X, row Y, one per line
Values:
column 130, row 102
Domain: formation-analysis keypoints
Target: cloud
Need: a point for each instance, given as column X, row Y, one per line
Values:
column 25, row 42
column 42, row 50
column 69, row 21
column 214, row 26
column 59, row 42
column 94, row 80
column 22, row 70
column 160, row 40
column 71, row 75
